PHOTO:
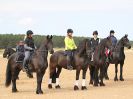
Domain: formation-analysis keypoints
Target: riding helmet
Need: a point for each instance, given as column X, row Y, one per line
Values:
column 69, row 31
column 95, row 33
column 112, row 31
column 29, row 32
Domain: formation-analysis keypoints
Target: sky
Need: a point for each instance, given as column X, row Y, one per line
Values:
column 54, row 17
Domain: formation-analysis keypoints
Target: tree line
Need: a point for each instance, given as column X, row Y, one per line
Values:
column 10, row 40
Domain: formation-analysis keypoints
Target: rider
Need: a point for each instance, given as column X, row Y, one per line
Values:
column 113, row 38
column 114, row 42
column 70, row 46
column 29, row 49
column 20, row 50
column 94, row 42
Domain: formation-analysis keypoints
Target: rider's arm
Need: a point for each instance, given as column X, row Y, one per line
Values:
column 27, row 47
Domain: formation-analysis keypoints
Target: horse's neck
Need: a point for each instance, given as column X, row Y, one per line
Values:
column 43, row 51
column 119, row 47
column 100, row 51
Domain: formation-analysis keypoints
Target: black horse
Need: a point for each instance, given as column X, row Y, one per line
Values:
column 8, row 52
column 58, row 61
column 118, row 56
column 38, row 63
column 99, row 62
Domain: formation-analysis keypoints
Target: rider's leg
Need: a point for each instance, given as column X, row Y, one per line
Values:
column 69, row 66
column 25, row 64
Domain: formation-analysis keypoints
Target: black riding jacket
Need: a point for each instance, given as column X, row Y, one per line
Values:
column 30, row 42
column 94, row 43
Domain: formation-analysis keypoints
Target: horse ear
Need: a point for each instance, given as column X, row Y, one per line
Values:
column 51, row 36
column 126, row 35
column 47, row 36
column 108, row 38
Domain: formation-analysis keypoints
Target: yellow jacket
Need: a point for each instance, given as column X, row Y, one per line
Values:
column 69, row 44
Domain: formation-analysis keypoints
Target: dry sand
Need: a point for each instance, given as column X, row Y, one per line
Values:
column 112, row 90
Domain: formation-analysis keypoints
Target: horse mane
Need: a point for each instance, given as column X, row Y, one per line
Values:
column 102, row 42
column 82, row 44
column 43, row 43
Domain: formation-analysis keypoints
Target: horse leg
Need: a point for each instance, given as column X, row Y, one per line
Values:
column 91, row 75
column 17, row 73
column 96, row 80
column 77, row 80
column 39, row 75
column 52, row 71
column 57, row 78
column 106, row 72
column 14, row 77
column 116, row 70
column 101, row 76
column 83, row 80
column 121, row 72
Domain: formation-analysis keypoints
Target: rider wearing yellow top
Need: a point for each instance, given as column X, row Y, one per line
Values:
column 70, row 46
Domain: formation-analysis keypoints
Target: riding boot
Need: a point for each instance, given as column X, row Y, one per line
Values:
column 69, row 66
column 26, row 69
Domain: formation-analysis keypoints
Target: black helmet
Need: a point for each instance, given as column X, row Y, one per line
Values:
column 112, row 31
column 69, row 31
column 95, row 33
column 29, row 32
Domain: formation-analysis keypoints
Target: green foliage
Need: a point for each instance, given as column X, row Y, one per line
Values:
column 11, row 40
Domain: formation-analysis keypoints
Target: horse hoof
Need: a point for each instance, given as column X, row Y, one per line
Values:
column 50, row 86
column 14, row 90
column 115, row 79
column 39, row 92
column 57, row 87
column 76, row 88
column 106, row 78
column 83, row 88
column 95, row 85
column 17, row 78
column 121, row 79
column 91, row 83
column 102, row 84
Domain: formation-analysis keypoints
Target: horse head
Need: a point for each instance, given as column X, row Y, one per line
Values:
column 84, row 48
column 125, row 41
column 49, row 44
column 6, row 52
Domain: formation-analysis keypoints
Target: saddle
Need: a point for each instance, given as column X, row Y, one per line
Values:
column 20, row 58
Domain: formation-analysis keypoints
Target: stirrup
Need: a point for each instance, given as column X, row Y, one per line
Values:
column 69, row 67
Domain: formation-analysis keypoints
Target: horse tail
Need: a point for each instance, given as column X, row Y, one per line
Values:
column 8, row 75
column 54, row 76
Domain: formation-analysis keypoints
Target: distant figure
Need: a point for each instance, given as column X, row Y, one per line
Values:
column 70, row 46
column 94, row 42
